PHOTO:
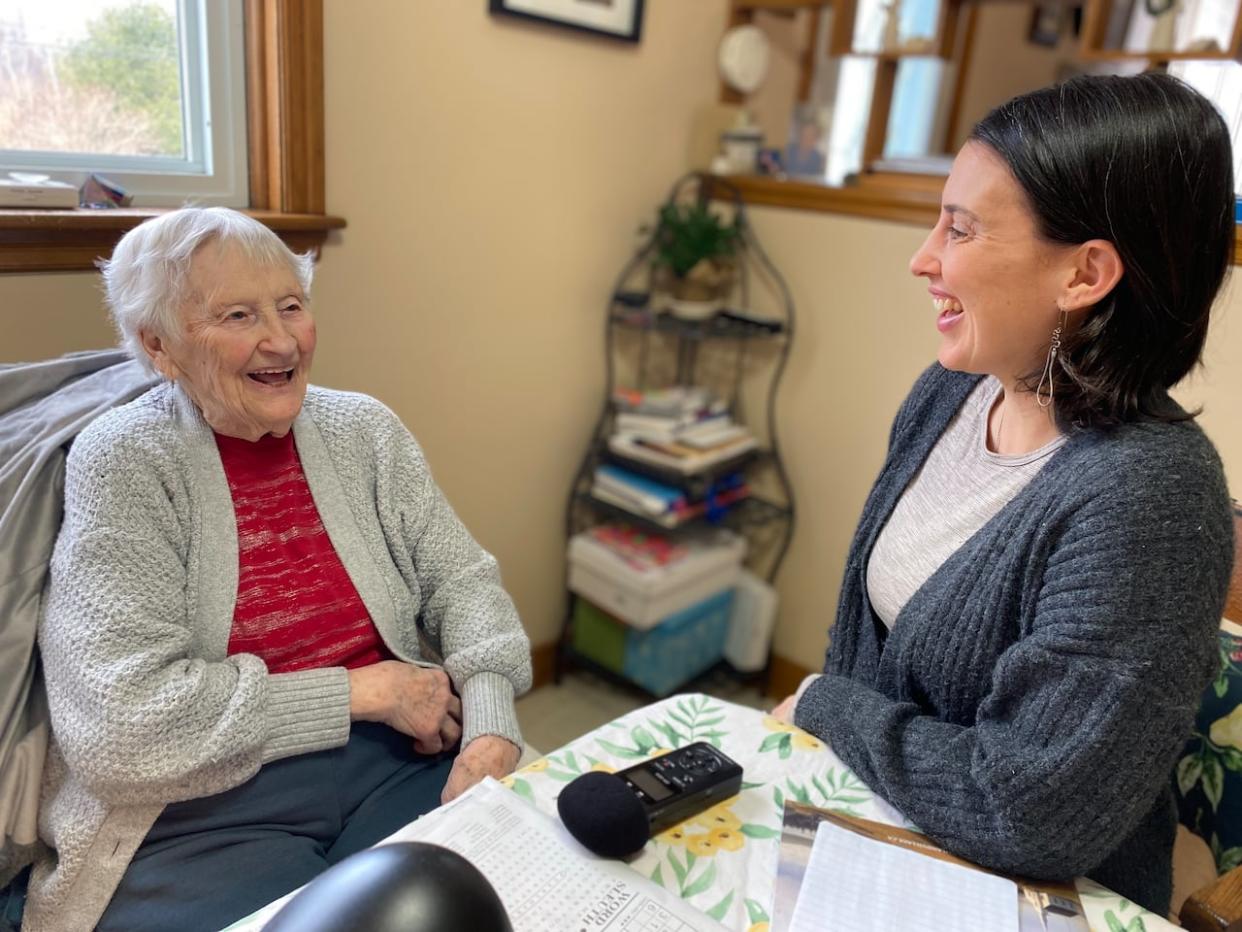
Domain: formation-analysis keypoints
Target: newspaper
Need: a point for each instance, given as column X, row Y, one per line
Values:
column 545, row 879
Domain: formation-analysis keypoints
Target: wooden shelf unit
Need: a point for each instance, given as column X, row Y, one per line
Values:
column 1096, row 15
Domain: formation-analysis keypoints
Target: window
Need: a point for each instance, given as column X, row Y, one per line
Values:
column 1221, row 83
column 283, row 79
column 148, row 93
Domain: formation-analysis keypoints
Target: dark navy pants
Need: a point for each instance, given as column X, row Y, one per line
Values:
column 208, row 862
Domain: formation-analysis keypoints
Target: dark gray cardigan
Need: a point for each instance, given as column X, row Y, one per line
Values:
column 1027, row 706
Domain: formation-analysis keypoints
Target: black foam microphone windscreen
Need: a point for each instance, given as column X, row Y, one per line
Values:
column 604, row 815
column 400, row 887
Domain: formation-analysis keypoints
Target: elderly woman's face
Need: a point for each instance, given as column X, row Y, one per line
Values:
column 994, row 281
column 246, row 344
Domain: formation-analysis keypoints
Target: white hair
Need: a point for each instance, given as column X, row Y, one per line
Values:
column 145, row 280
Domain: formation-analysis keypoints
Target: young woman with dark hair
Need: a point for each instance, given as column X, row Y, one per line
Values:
column 1029, row 607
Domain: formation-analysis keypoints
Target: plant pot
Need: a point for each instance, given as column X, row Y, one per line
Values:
column 703, row 291
column 688, row 309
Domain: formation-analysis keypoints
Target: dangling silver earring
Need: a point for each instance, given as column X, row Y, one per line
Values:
column 1053, row 349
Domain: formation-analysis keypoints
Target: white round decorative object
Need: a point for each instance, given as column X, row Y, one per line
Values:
column 743, row 58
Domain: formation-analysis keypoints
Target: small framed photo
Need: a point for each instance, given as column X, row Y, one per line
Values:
column 616, row 19
column 1046, row 19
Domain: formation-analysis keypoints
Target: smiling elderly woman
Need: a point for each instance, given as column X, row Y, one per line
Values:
column 261, row 609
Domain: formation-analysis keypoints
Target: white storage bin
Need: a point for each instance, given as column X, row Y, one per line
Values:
column 751, row 620
column 643, row 597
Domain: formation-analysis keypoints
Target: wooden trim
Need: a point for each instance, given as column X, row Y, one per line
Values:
column 1233, row 602
column 1217, row 907
column 1096, row 17
column 806, row 67
column 878, row 195
column 919, row 207
column 285, row 126
column 72, row 240
column 785, row 677
column 1094, row 26
column 947, row 28
column 543, row 664
column 284, row 97
column 260, row 135
column 778, row 5
column 841, row 29
column 881, row 106
column 964, row 59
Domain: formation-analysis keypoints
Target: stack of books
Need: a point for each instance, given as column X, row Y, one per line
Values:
column 665, row 505
column 638, row 549
column 681, row 428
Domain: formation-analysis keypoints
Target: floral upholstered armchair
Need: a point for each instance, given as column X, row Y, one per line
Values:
column 1209, row 784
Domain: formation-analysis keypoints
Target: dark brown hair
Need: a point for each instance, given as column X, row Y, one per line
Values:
column 1145, row 163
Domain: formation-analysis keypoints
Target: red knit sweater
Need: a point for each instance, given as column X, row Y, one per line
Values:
column 296, row 606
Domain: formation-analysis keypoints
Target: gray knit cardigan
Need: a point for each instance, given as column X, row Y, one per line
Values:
column 146, row 707
column 1026, row 708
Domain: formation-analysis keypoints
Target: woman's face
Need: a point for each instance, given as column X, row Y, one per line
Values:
column 995, row 283
column 246, row 343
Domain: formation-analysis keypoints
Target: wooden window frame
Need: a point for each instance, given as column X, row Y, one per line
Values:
column 879, row 195
column 285, row 142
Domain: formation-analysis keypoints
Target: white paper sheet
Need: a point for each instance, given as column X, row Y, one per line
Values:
column 545, row 879
column 856, row 884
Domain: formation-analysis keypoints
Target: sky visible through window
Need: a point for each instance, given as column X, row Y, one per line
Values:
column 91, row 76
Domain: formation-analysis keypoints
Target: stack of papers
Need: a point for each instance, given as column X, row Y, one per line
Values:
column 857, row 884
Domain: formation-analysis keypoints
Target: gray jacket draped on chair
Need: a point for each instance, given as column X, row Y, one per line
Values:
column 43, row 406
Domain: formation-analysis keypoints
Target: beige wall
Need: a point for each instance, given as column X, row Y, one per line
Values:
column 46, row 315
column 1004, row 64
column 865, row 331
column 493, row 174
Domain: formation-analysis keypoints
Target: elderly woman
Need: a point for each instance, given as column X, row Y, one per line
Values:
column 265, row 630
column 1028, row 612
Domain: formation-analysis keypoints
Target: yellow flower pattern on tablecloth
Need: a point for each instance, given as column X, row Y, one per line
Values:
column 718, row 816
column 673, row 836
column 535, row 766
column 787, row 737
column 720, row 860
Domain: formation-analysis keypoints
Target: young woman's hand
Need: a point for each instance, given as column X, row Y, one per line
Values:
column 785, row 711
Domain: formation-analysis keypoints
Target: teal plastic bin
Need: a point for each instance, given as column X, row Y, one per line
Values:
column 661, row 658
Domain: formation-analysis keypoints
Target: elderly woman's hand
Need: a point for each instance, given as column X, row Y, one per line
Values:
column 485, row 756
column 416, row 701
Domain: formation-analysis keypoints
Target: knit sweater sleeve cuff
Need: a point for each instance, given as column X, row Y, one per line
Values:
column 306, row 711
column 804, row 685
column 487, row 708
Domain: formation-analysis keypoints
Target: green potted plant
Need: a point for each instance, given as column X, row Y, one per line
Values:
column 696, row 254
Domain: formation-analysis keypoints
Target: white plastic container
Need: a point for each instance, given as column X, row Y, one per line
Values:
column 642, row 598
column 751, row 620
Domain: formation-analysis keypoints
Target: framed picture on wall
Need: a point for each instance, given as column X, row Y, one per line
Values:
column 617, row 19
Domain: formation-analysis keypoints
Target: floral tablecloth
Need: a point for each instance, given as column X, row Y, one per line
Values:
column 724, row 861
